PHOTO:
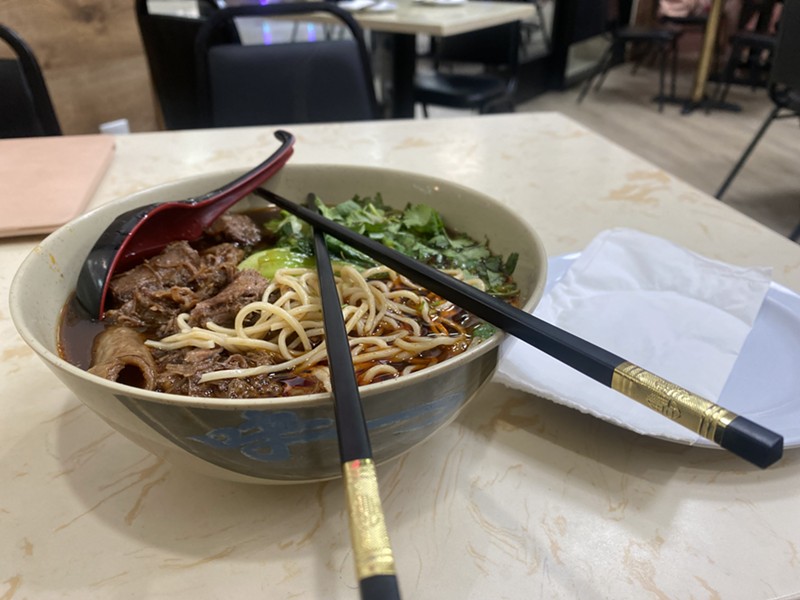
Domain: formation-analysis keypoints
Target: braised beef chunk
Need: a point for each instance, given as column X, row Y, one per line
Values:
column 153, row 309
column 247, row 286
column 175, row 266
column 205, row 282
column 218, row 268
column 236, row 228
column 180, row 371
column 152, row 294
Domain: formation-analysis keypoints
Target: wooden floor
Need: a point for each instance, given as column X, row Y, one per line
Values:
column 701, row 147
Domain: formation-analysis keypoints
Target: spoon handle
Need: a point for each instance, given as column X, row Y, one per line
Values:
column 221, row 199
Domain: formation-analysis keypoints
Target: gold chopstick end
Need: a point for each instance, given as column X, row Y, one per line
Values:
column 678, row 404
column 371, row 547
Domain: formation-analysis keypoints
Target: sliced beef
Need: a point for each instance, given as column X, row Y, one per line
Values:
column 236, row 228
column 151, row 295
column 175, row 266
column 119, row 354
column 180, row 371
column 247, row 286
column 218, row 268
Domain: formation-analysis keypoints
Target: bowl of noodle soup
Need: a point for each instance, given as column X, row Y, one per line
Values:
column 240, row 430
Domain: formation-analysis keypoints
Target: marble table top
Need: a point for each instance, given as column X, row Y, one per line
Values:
column 517, row 498
column 408, row 16
column 428, row 18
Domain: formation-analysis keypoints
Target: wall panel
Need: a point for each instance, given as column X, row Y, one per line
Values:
column 92, row 58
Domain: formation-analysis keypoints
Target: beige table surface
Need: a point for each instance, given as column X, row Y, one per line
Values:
column 416, row 17
column 408, row 17
column 518, row 498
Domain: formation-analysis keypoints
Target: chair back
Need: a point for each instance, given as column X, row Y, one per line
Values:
column 280, row 83
column 785, row 71
column 169, row 46
column 26, row 109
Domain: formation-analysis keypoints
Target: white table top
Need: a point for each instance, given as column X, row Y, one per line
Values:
column 409, row 17
column 417, row 18
column 518, row 498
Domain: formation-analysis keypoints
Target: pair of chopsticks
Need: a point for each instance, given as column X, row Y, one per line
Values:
column 369, row 538
column 735, row 433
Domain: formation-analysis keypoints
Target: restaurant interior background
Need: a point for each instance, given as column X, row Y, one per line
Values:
column 519, row 496
column 96, row 71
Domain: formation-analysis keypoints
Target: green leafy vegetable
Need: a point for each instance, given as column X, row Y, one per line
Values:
column 483, row 331
column 417, row 231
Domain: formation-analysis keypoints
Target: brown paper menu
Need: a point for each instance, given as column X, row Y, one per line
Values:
column 47, row 181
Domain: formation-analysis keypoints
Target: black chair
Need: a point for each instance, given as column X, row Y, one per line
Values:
column 784, row 86
column 660, row 40
column 26, row 109
column 169, row 42
column 493, row 51
column 751, row 49
column 293, row 82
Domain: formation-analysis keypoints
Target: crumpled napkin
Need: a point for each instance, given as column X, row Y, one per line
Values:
column 676, row 313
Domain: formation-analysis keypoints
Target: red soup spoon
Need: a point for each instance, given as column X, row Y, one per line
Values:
column 143, row 232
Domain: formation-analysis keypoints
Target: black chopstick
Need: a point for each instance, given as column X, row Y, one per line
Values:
column 739, row 435
column 371, row 548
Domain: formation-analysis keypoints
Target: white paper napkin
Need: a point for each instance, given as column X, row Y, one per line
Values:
column 680, row 315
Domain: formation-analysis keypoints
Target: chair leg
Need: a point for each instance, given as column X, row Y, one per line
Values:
column 602, row 69
column 542, row 24
column 605, row 66
column 795, row 235
column 661, row 76
column 585, row 89
column 745, row 155
column 424, row 110
column 727, row 75
column 673, row 82
column 641, row 58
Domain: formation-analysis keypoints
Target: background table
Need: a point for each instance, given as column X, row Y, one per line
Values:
column 412, row 18
column 518, row 498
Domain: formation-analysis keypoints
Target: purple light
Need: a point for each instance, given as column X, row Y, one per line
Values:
column 312, row 32
column 266, row 34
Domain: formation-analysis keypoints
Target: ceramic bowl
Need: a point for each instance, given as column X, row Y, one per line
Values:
column 279, row 440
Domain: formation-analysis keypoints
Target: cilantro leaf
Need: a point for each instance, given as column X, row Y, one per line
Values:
column 417, row 231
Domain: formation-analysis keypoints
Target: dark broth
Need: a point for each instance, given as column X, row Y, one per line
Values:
column 78, row 330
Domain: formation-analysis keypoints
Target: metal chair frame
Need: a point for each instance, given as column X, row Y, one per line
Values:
column 207, row 38
column 490, row 91
column 40, row 101
column 663, row 40
column 750, row 49
column 169, row 47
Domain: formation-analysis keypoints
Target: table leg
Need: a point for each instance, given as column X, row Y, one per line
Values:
column 404, row 64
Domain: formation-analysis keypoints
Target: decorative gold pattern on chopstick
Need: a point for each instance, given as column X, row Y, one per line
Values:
column 373, row 553
column 674, row 402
